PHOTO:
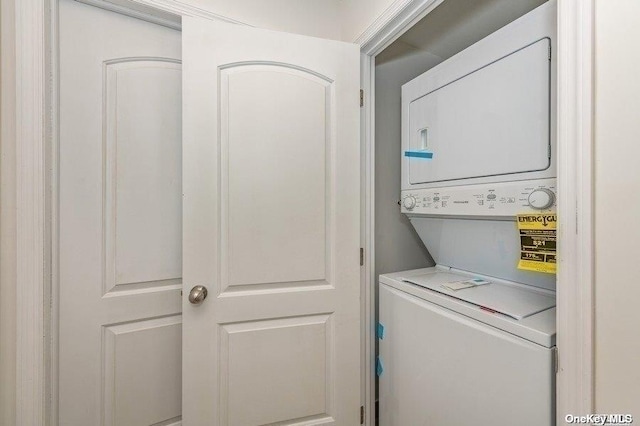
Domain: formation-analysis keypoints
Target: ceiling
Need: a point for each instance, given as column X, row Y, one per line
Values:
column 456, row 24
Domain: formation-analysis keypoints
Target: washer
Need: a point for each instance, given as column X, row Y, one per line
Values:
column 445, row 359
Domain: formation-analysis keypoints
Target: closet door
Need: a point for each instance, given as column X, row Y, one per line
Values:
column 271, row 228
column 120, row 220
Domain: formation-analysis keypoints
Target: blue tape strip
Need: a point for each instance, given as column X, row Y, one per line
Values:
column 380, row 331
column 379, row 368
column 419, row 154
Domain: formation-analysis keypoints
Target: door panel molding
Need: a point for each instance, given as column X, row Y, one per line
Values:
column 306, row 378
column 311, row 269
column 116, row 370
column 284, row 65
column 112, row 282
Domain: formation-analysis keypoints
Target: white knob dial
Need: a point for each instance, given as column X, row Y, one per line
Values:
column 409, row 202
column 542, row 198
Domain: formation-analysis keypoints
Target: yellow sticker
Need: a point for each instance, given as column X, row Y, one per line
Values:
column 537, row 242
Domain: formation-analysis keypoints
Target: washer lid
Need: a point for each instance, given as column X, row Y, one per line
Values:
column 511, row 300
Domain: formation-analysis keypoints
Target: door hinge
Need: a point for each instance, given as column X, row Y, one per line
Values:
column 549, row 52
column 361, row 97
column 361, row 256
column 556, row 361
column 362, row 414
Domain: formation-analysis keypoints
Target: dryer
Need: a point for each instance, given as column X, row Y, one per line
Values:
column 487, row 114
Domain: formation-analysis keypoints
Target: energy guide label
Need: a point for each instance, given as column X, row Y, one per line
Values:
column 537, row 242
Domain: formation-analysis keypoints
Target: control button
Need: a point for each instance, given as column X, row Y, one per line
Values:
column 491, row 197
column 409, row 202
column 541, row 199
column 436, row 199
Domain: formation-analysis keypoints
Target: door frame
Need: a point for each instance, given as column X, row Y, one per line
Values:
column 36, row 192
column 575, row 304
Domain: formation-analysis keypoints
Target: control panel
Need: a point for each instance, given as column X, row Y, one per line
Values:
column 499, row 199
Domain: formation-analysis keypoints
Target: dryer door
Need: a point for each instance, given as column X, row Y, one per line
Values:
column 493, row 121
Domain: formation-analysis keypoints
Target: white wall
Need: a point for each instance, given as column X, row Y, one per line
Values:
column 309, row 17
column 357, row 15
column 397, row 245
column 617, row 211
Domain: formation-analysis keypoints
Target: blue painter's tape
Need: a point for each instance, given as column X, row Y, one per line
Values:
column 380, row 331
column 379, row 368
column 419, row 154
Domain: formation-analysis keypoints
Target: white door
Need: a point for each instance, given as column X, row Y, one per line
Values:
column 271, row 182
column 120, row 220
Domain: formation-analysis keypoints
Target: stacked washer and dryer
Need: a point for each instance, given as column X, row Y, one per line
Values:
column 479, row 148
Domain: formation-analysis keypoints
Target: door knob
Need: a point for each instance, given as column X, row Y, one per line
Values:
column 197, row 294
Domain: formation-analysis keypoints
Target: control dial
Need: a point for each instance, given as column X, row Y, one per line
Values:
column 409, row 202
column 542, row 198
